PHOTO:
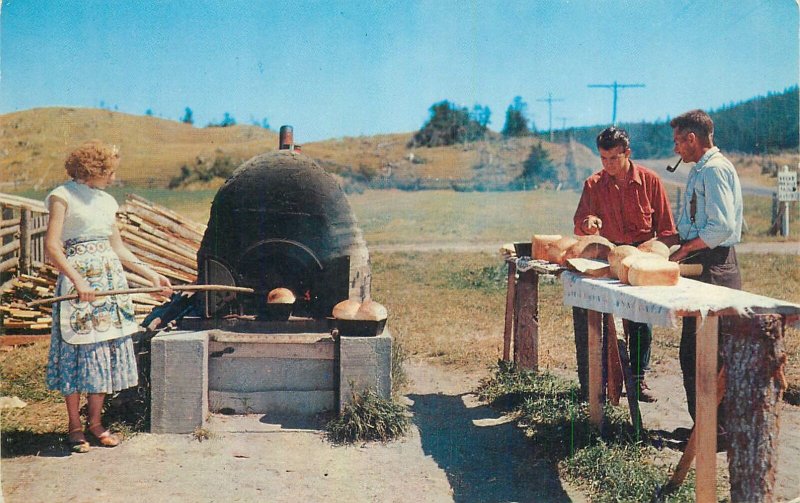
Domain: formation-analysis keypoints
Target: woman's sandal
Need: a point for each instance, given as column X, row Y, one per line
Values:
column 105, row 438
column 78, row 446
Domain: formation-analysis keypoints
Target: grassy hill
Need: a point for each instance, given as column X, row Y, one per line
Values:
column 34, row 144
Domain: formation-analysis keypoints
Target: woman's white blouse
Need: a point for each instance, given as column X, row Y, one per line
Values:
column 91, row 213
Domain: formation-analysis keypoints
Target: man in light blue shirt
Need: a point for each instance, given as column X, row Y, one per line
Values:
column 710, row 223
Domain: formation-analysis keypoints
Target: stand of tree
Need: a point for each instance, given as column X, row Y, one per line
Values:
column 762, row 125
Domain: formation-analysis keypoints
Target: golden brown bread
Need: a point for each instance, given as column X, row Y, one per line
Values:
column 540, row 243
column 655, row 246
column 592, row 247
column 346, row 309
column 616, row 256
column 646, row 271
column 371, row 310
column 280, row 296
column 625, row 265
column 557, row 249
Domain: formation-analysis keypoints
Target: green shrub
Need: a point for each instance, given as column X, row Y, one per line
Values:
column 368, row 417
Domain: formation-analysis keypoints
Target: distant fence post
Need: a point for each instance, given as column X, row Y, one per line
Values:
column 25, row 222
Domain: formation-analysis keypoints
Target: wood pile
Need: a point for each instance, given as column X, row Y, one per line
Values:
column 157, row 236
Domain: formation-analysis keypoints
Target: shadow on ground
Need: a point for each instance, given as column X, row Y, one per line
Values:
column 494, row 462
column 24, row 443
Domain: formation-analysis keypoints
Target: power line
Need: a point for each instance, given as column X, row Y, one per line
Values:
column 550, row 101
column 615, row 86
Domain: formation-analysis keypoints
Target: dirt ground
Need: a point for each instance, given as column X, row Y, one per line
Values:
column 458, row 450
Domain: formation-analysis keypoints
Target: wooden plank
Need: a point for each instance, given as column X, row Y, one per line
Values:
column 509, row 321
column 9, row 264
column 526, row 330
column 10, row 247
column 17, row 340
column 706, row 420
column 6, row 231
column 9, row 222
column 595, row 322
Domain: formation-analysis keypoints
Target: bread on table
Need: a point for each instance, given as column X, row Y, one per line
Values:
column 280, row 296
column 655, row 246
column 591, row 247
column 346, row 309
column 624, row 268
column 616, row 256
column 540, row 243
column 558, row 249
column 371, row 311
column 648, row 271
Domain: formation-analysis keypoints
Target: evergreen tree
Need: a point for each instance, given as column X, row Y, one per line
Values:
column 450, row 124
column 188, row 116
column 538, row 168
column 516, row 119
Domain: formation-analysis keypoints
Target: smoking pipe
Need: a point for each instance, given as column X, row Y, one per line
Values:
column 672, row 169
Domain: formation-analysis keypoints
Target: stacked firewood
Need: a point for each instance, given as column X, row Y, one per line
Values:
column 157, row 236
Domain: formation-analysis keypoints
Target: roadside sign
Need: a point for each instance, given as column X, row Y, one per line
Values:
column 787, row 185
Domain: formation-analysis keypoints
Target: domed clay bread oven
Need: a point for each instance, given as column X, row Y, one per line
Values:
column 281, row 221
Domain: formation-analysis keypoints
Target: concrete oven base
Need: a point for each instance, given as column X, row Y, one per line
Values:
column 302, row 375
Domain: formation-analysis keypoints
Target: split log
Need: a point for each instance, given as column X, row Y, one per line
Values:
column 159, row 220
column 196, row 226
column 526, row 324
column 755, row 357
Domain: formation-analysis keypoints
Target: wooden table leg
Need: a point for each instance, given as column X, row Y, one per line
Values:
column 526, row 323
column 595, row 325
column 614, row 364
column 706, row 407
column 510, row 292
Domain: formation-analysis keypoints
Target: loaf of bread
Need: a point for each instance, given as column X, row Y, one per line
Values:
column 591, row 247
column 655, row 246
column 617, row 255
column 624, row 268
column 540, row 243
column 558, row 249
column 346, row 309
column 371, row 311
column 646, row 271
column 280, row 296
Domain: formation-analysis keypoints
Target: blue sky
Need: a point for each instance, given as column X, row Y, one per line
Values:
column 350, row 68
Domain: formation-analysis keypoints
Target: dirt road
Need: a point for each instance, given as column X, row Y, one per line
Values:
column 457, row 451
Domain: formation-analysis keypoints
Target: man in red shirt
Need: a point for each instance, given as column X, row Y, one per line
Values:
column 626, row 204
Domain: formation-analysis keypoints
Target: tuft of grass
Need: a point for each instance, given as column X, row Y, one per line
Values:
column 368, row 417
column 614, row 466
column 201, row 434
column 398, row 371
column 613, row 473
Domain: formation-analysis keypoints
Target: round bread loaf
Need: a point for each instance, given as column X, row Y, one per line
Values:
column 346, row 309
column 557, row 249
column 645, row 271
column 540, row 243
column 616, row 256
column 371, row 311
column 592, row 247
column 280, row 296
column 655, row 246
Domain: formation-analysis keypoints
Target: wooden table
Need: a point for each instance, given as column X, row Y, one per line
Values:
column 665, row 306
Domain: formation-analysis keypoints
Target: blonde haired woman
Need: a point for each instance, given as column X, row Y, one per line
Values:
column 91, row 350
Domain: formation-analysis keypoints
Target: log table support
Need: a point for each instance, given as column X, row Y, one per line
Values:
column 755, row 356
column 526, row 321
column 596, row 396
column 509, row 321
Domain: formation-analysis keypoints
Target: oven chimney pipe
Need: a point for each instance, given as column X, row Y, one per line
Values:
column 286, row 138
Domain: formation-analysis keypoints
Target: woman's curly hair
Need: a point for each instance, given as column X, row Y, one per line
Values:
column 93, row 158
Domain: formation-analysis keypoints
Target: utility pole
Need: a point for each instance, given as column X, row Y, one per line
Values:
column 564, row 125
column 550, row 101
column 615, row 86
